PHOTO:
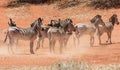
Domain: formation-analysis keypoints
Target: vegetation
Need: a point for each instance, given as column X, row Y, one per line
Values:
column 105, row 4
column 17, row 3
column 69, row 65
column 97, row 4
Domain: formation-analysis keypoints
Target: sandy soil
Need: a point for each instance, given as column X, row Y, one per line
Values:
column 25, row 15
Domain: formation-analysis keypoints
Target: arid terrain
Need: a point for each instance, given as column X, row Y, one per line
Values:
column 26, row 14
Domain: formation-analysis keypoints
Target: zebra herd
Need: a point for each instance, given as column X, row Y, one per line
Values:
column 59, row 30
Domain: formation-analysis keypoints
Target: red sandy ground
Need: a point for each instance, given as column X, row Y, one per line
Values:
column 25, row 15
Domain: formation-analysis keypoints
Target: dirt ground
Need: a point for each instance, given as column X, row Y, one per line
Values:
column 25, row 15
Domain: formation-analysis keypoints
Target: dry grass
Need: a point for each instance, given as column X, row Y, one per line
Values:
column 66, row 65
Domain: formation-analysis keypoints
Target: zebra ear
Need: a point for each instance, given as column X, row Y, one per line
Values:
column 71, row 21
column 115, row 15
column 52, row 21
column 10, row 19
column 40, row 19
column 32, row 25
column 59, row 19
column 42, row 29
column 92, row 20
column 98, row 16
column 11, row 23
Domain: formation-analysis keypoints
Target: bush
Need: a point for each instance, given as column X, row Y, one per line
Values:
column 35, row 1
column 105, row 4
column 67, row 4
column 17, row 3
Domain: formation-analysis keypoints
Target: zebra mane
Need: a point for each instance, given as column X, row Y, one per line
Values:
column 36, row 22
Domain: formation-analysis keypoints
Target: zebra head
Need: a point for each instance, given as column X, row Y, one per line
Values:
column 54, row 23
column 67, row 25
column 114, row 19
column 37, row 22
column 65, row 22
column 36, row 25
column 97, row 20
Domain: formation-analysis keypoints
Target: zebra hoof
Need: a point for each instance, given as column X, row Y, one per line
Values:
column 106, row 41
column 91, row 46
column 110, row 43
column 100, row 43
column 36, row 49
column 32, row 52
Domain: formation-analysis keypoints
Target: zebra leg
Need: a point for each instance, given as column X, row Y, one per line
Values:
column 10, row 47
column 38, row 44
column 99, row 37
column 15, row 44
column 9, row 43
column 61, row 46
column 50, row 45
column 78, row 40
column 50, row 41
column 67, row 39
column 74, row 40
column 91, row 41
column 78, row 37
column 65, row 42
column 31, row 47
column 53, row 46
column 42, row 42
column 110, row 38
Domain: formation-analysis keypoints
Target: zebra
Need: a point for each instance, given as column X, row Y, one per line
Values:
column 68, row 26
column 108, row 29
column 60, row 33
column 44, row 34
column 16, row 33
column 89, row 29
